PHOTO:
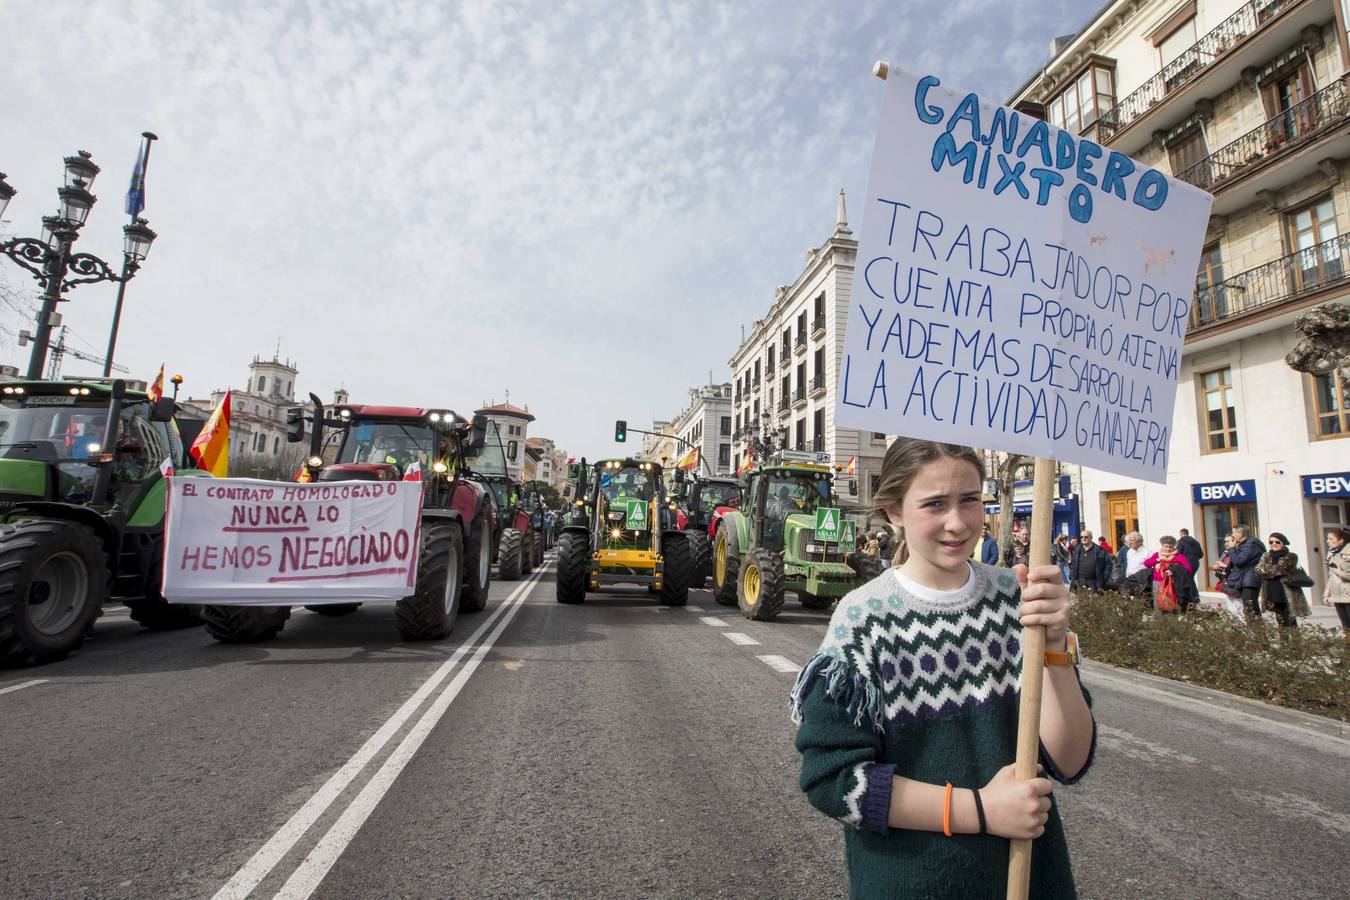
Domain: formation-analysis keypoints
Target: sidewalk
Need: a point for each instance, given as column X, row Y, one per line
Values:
column 1322, row 616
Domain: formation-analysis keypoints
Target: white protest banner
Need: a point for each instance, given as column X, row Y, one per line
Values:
column 1018, row 287
column 242, row 542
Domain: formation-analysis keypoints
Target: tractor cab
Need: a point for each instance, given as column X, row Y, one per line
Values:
column 709, row 494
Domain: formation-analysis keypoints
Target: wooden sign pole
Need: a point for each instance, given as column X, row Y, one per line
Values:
column 1033, row 646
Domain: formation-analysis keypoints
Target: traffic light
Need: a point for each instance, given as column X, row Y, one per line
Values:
column 620, row 431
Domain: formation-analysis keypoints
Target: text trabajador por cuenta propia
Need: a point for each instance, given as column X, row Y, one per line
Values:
column 964, row 371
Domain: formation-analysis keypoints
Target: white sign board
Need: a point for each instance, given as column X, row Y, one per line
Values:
column 1018, row 287
column 242, row 542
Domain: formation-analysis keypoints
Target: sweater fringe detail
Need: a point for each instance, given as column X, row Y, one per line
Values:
column 844, row 684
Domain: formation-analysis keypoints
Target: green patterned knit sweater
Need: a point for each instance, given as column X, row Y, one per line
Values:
column 907, row 686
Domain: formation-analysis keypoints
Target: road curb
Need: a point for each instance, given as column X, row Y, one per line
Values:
column 1321, row 725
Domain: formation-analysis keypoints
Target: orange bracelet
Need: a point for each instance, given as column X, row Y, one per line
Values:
column 947, row 812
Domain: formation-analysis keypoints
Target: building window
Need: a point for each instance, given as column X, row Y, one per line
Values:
column 724, row 456
column 1330, row 407
column 1175, row 42
column 288, row 388
column 818, row 431
column 1187, row 151
column 1220, row 419
column 770, row 365
column 1089, row 97
column 801, row 434
column 1310, row 226
column 276, row 445
column 878, row 436
column 512, row 447
column 1211, row 301
column 873, row 485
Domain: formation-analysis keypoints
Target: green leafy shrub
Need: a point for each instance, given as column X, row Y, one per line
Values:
column 1308, row 670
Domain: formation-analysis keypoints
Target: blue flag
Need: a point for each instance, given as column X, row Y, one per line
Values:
column 136, row 192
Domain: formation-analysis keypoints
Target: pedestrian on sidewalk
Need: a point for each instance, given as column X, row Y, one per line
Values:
column 1105, row 546
column 1337, row 593
column 1190, row 548
column 1087, row 564
column 1135, row 575
column 1059, row 555
column 1173, row 587
column 1277, row 564
column 1242, row 560
column 925, row 788
column 988, row 548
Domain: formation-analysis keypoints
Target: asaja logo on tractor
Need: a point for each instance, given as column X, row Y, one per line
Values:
column 636, row 515
column 827, row 523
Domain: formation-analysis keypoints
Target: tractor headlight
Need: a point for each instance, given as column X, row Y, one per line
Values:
column 93, row 448
column 439, row 467
column 345, row 414
column 315, row 462
column 615, row 533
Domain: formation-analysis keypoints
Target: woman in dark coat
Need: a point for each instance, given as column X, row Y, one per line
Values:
column 1279, row 561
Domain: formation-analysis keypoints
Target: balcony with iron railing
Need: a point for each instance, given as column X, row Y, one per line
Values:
column 784, row 404
column 787, row 350
column 818, row 443
column 1306, row 276
column 818, row 326
column 818, row 384
column 799, row 345
column 754, row 385
column 1228, row 46
column 799, row 396
column 1293, row 130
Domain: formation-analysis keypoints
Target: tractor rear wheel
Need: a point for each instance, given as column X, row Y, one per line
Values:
column 814, row 601
column 701, row 553
column 245, row 624
column 478, row 566
column 677, row 569
column 333, row 610
column 540, row 545
column 510, row 555
column 429, row 613
column 574, row 568
column 761, row 585
column 726, row 566
column 526, row 552
column 53, row 580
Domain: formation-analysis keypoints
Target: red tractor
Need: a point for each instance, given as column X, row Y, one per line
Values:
column 517, row 549
column 702, row 503
column 383, row 443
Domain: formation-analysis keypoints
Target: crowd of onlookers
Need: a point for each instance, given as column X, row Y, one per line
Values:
column 1255, row 577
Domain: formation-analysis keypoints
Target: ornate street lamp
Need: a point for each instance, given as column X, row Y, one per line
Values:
column 137, row 238
column 50, row 261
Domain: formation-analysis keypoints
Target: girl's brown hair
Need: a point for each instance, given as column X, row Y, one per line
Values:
column 904, row 458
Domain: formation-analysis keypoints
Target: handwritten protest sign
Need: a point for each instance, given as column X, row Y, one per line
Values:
column 1018, row 287
column 243, row 542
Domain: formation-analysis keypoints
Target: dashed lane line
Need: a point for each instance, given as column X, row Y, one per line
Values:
column 713, row 621
column 779, row 664
column 692, row 608
column 23, row 684
column 736, row 637
column 271, row 853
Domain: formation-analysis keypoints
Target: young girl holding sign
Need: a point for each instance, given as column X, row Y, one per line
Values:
column 908, row 711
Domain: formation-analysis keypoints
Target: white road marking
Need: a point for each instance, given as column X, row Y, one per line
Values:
column 1140, row 749
column 692, row 608
column 780, row 664
column 736, row 637
column 276, row 848
column 713, row 621
column 23, row 684
column 311, row 872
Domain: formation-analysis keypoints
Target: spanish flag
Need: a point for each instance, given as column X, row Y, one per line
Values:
column 211, row 449
column 689, row 460
column 156, row 391
column 852, row 467
column 747, row 463
column 303, row 476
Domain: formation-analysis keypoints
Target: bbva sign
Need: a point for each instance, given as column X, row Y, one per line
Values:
column 1243, row 491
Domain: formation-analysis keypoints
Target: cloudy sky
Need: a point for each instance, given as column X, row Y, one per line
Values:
column 433, row 203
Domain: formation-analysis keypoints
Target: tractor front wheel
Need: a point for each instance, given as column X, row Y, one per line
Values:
column 429, row 613
column 761, row 585
column 510, row 555
column 677, row 569
column 53, row 579
column 152, row 611
column 701, row 553
column 245, row 624
column 574, row 568
column 478, row 566
column 726, row 565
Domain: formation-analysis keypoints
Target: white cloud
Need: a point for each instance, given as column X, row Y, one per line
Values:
column 427, row 203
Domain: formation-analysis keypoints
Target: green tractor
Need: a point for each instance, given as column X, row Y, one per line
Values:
column 789, row 535
column 82, row 512
column 623, row 532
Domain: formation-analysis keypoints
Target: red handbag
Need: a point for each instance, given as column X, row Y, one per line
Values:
column 1167, row 594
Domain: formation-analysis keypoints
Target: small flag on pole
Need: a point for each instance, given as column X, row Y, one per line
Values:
column 303, row 476
column 166, row 467
column 211, row 449
column 689, row 460
column 413, row 472
column 156, row 391
column 852, row 467
column 136, row 191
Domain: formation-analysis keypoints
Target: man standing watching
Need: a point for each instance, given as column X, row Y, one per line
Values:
column 1190, row 548
column 1087, row 565
column 1135, row 574
column 988, row 549
column 1242, row 560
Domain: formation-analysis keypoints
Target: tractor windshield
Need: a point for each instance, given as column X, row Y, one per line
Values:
column 717, row 494
column 789, row 494
column 31, row 429
column 628, row 483
column 491, row 459
column 397, row 443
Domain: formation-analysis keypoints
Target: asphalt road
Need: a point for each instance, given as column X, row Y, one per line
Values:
column 614, row 749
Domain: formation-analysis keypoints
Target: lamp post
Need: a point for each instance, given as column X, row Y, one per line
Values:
column 50, row 258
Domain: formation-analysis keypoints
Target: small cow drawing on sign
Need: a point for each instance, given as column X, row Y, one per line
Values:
column 1157, row 259
column 1096, row 240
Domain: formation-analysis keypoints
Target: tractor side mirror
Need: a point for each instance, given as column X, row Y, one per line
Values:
column 295, row 425
column 478, row 433
column 163, row 410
